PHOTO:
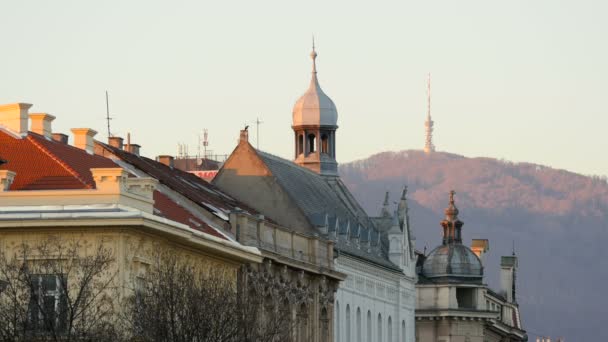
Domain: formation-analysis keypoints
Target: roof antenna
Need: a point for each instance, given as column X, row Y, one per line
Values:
column 257, row 128
column 108, row 118
column 513, row 247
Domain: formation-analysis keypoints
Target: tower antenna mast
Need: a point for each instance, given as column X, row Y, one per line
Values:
column 108, row 118
column 428, row 124
column 257, row 132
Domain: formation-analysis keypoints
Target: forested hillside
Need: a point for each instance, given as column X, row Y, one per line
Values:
column 557, row 221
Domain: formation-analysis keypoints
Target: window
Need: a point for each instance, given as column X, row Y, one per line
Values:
column 465, row 297
column 324, row 143
column 312, row 143
column 337, row 321
column 48, row 303
column 379, row 328
column 369, row 326
column 403, row 334
column 300, row 144
column 389, row 332
column 359, row 335
column 347, row 322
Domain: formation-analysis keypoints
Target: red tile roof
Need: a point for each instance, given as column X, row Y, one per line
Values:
column 42, row 164
column 167, row 208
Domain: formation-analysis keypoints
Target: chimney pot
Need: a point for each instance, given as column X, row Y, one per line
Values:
column 60, row 137
column 116, row 142
column 83, row 139
column 41, row 124
column 14, row 117
column 166, row 160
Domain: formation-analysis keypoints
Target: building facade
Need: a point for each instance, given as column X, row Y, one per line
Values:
column 453, row 303
column 376, row 301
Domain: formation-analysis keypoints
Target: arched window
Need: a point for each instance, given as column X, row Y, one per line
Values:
column 337, row 328
column 369, row 326
column 403, row 335
column 300, row 144
column 312, row 143
column 347, row 322
column 379, row 328
column 359, row 335
column 324, row 143
column 389, row 331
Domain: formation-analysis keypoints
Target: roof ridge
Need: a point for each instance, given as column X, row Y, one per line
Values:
column 59, row 161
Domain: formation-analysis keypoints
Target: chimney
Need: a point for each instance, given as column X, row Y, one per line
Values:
column 508, row 266
column 115, row 142
column 167, row 160
column 133, row 148
column 14, row 117
column 41, row 124
column 83, row 139
column 6, row 179
column 480, row 247
column 60, row 137
column 244, row 135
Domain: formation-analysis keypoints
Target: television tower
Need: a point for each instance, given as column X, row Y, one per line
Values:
column 428, row 124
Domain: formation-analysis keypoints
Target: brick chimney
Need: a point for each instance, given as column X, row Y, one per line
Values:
column 41, row 124
column 14, row 117
column 167, row 160
column 133, row 148
column 60, row 137
column 244, row 135
column 508, row 266
column 83, row 139
column 116, row 142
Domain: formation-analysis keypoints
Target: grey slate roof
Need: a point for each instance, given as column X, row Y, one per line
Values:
column 328, row 200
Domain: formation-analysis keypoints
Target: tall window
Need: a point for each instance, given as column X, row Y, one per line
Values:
column 312, row 143
column 300, row 144
column 369, row 326
column 337, row 328
column 389, row 331
column 347, row 322
column 48, row 303
column 324, row 143
column 359, row 335
column 403, row 335
column 379, row 328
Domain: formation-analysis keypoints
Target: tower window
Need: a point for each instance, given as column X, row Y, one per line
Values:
column 312, row 143
column 300, row 144
column 324, row 143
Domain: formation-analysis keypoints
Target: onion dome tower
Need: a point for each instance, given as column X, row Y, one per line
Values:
column 315, row 121
column 452, row 261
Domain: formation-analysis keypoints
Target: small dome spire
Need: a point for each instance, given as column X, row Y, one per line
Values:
column 314, row 108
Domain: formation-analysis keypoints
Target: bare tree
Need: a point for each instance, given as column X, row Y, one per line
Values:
column 176, row 303
column 56, row 291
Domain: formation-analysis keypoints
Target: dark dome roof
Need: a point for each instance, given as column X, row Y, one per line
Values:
column 452, row 260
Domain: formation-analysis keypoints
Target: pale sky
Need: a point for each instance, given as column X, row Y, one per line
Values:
column 521, row 80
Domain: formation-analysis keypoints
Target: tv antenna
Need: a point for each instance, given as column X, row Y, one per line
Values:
column 257, row 132
column 108, row 118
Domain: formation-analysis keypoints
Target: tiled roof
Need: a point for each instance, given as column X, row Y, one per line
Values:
column 320, row 199
column 165, row 207
column 192, row 187
column 43, row 164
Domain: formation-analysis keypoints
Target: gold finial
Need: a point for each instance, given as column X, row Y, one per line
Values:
column 452, row 193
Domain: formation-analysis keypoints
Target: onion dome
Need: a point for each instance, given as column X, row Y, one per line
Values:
column 314, row 108
column 452, row 260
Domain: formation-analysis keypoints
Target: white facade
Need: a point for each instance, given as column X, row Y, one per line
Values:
column 373, row 304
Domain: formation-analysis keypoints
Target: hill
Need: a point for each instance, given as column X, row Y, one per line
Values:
column 557, row 221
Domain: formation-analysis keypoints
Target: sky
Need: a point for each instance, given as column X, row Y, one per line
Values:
column 522, row 80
